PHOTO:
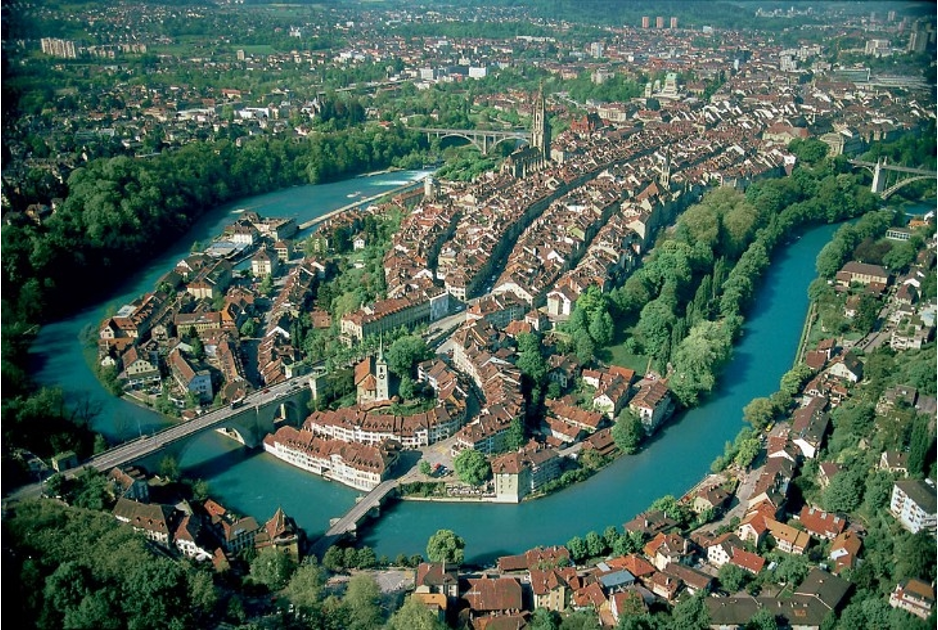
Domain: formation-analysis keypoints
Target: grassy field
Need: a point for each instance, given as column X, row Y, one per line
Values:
column 255, row 49
column 618, row 354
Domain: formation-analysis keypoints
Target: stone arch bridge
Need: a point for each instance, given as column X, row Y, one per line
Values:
column 484, row 139
column 247, row 422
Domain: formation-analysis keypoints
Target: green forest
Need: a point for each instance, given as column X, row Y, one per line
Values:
column 118, row 213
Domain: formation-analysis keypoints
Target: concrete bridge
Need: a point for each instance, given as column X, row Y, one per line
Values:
column 904, row 176
column 484, row 139
column 367, row 506
column 347, row 524
column 248, row 423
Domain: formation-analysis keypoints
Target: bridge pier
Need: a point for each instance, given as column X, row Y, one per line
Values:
column 879, row 177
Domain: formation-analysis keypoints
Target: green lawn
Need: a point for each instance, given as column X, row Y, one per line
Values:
column 619, row 355
column 255, row 49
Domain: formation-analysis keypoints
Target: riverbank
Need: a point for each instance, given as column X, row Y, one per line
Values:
column 242, row 480
column 391, row 169
column 805, row 332
column 355, row 204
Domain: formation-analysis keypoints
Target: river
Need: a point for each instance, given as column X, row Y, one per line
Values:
column 255, row 483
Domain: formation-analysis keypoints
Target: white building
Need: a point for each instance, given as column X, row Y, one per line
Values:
column 913, row 504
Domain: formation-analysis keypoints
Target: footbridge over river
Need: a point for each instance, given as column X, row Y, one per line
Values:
column 367, row 506
column 248, row 422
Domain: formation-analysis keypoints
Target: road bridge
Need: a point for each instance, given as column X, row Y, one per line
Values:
column 348, row 523
column 368, row 505
column 904, row 175
column 484, row 139
column 247, row 422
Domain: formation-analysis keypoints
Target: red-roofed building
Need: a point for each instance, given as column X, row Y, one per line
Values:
column 488, row 596
column 844, row 550
column 821, row 524
column 751, row 562
column 653, row 404
column 914, row 596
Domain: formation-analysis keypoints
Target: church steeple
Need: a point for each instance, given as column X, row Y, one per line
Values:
column 540, row 127
column 382, row 387
column 665, row 178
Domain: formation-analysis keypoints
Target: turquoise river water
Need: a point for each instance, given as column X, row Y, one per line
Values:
column 257, row 484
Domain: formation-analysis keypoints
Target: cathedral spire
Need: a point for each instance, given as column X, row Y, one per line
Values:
column 540, row 127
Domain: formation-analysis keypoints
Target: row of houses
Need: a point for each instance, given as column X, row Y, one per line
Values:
column 205, row 531
column 201, row 298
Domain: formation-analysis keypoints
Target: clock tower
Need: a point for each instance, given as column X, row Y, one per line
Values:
column 382, row 389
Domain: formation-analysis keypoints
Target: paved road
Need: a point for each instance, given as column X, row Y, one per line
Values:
column 141, row 447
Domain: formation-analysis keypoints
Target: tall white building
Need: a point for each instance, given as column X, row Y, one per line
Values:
column 913, row 504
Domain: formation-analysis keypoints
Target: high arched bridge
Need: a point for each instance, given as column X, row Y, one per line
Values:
column 484, row 139
column 904, row 175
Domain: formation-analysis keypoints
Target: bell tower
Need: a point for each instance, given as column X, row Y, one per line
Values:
column 382, row 389
column 540, row 127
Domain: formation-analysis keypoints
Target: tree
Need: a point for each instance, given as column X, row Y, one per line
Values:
column 642, row 621
column 334, row 559
column 759, row 413
column 531, row 361
column 916, row 553
column 900, row 257
column 791, row 569
column 362, row 603
column 304, row 589
column 248, row 328
column 424, row 467
column 794, row 379
column 696, row 360
column 156, row 590
column 515, row 438
column 404, row 353
column 832, row 257
column 544, row 619
column 198, row 349
column 866, row 314
column 921, row 443
column 595, row 545
column 577, row 548
column 472, row 467
column 690, row 614
column 764, row 619
column 733, row 578
column 414, row 615
column 169, row 468
column 90, row 489
column 583, row 346
column 366, row 558
column 628, row 431
column 747, row 448
column 672, row 508
column 808, row 150
column 273, row 568
column 585, row 619
column 56, row 485
column 601, row 328
column 844, row 492
column 446, row 546
column 406, row 388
